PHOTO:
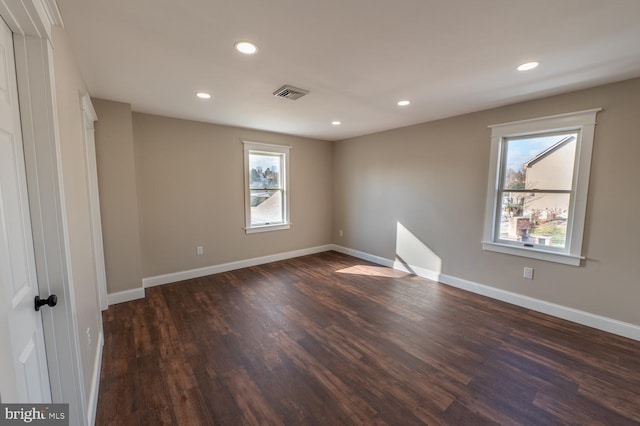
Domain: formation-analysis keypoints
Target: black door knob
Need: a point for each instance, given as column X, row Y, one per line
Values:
column 49, row 301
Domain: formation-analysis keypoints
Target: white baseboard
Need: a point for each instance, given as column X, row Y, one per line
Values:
column 395, row 264
column 362, row 255
column 599, row 322
column 125, row 296
column 417, row 270
column 570, row 314
column 225, row 267
column 92, row 402
column 610, row 325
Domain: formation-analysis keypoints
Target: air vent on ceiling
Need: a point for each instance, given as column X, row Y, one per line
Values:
column 290, row 92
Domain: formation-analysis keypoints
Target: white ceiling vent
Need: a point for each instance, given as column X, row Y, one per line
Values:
column 290, row 92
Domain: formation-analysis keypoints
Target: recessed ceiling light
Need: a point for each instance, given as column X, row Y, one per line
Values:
column 336, row 123
column 246, row 47
column 403, row 103
column 203, row 95
column 528, row 66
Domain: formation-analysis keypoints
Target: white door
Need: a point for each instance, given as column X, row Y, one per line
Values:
column 29, row 381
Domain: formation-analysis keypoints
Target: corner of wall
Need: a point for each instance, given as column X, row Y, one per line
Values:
column 118, row 197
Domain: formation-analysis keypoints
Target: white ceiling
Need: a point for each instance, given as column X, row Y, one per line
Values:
column 356, row 57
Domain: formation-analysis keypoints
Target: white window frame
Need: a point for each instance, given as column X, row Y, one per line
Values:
column 584, row 123
column 265, row 148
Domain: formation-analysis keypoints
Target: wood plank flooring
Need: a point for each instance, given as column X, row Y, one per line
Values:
column 333, row 340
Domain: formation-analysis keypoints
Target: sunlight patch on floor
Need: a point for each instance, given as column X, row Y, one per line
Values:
column 373, row 271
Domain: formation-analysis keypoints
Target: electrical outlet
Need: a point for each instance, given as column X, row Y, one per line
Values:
column 199, row 250
column 89, row 337
column 341, row 233
column 528, row 273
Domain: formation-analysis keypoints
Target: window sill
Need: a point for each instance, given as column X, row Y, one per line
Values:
column 267, row 228
column 532, row 253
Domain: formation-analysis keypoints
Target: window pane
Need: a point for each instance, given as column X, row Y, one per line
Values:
column 540, row 162
column 536, row 218
column 266, row 207
column 265, row 171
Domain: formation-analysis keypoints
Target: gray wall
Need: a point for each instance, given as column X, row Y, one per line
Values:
column 118, row 195
column 191, row 193
column 422, row 187
column 184, row 187
column 431, row 178
column 69, row 85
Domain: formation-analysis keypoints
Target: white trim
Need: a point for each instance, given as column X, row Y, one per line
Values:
column 89, row 110
column 267, row 228
column 561, row 122
column 533, row 253
column 89, row 117
column 126, row 296
column 584, row 123
column 364, row 256
column 620, row 328
column 284, row 152
column 52, row 11
column 95, row 382
column 224, row 267
column 265, row 147
column 64, row 221
column 395, row 264
column 599, row 322
column 33, row 18
column 417, row 270
column 31, row 22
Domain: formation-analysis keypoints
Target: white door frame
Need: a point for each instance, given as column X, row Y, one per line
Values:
column 31, row 22
column 23, row 369
column 89, row 117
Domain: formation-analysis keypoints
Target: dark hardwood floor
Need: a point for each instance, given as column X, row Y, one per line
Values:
column 330, row 340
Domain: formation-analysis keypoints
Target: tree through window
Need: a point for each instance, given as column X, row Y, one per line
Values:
column 266, row 193
column 538, row 187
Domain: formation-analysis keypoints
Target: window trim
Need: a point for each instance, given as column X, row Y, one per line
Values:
column 584, row 123
column 265, row 148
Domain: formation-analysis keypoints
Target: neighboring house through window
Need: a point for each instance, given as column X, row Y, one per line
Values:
column 538, row 187
column 266, row 170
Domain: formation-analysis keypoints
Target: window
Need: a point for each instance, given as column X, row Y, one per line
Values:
column 538, row 183
column 266, row 169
